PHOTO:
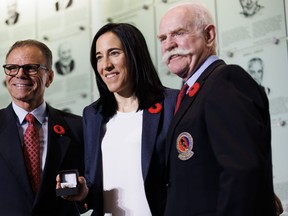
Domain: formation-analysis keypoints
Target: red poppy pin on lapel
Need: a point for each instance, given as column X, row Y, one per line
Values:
column 59, row 129
column 156, row 108
column 194, row 89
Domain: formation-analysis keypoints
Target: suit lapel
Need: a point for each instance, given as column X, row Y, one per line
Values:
column 94, row 144
column 149, row 134
column 187, row 103
column 57, row 146
column 11, row 149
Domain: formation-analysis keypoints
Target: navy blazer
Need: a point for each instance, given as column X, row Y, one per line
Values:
column 64, row 152
column 225, row 123
column 155, row 128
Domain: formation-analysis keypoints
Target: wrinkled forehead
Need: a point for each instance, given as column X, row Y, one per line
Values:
column 25, row 55
column 175, row 18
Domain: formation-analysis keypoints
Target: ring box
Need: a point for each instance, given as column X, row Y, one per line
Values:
column 68, row 183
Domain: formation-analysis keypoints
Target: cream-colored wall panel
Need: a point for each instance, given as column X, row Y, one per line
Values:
column 4, row 95
column 71, row 90
column 66, row 30
column 144, row 20
column 114, row 8
column 57, row 23
column 240, row 28
column 21, row 25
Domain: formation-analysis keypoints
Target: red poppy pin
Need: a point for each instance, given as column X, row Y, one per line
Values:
column 194, row 89
column 156, row 108
column 59, row 129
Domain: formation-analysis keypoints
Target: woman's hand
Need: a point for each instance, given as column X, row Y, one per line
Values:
column 83, row 189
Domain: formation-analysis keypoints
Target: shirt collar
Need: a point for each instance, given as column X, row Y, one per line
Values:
column 39, row 112
column 201, row 69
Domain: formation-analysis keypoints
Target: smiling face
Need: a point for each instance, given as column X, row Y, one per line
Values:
column 112, row 65
column 28, row 91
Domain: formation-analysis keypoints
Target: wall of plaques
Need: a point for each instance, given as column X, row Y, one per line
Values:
column 65, row 27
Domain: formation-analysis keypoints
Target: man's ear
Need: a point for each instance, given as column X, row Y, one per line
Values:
column 50, row 78
column 210, row 34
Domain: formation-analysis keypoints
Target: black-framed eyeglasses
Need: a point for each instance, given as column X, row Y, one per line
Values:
column 29, row 69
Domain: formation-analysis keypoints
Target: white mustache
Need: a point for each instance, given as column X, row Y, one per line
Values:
column 177, row 51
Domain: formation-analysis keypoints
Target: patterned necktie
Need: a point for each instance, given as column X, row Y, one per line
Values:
column 180, row 97
column 31, row 150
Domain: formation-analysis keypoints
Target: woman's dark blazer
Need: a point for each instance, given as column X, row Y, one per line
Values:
column 155, row 128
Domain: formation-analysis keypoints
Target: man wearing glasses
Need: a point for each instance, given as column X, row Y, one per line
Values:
column 28, row 182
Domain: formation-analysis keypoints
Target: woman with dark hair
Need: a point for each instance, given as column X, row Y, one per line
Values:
column 125, row 129
column 145, row 83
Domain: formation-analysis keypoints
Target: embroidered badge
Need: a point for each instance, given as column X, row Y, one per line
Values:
column 184, row 145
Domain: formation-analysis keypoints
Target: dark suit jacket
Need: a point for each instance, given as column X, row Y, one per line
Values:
column 230, row 171
column 155, row 127
column 64, row 152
